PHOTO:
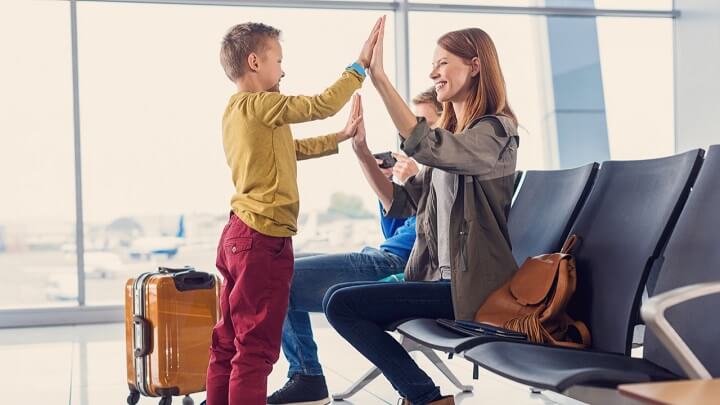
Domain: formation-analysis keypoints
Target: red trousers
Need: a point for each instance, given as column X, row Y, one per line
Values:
column 246, row 341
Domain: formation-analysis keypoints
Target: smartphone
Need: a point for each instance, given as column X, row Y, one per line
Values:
column 388, row 160
column 490, row 329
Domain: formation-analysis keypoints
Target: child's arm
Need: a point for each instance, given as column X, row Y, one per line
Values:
column 388, row 224
column 318, row 146
column 275, row 109
column 309, row 148
column 381, row 185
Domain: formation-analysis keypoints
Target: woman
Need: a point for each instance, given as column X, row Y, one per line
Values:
column 461, row 199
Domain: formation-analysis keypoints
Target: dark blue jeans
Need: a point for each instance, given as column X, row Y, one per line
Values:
column 313, row 275
column 362, row 314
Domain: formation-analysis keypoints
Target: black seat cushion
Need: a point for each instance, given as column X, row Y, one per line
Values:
column 557, row 369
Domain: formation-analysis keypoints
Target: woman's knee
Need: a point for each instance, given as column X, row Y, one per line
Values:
column 329, row 293
column 338, row 303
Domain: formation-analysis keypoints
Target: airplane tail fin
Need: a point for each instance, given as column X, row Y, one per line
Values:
column 181, row 227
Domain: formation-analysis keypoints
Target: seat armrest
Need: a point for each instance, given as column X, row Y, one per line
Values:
column 653, row 313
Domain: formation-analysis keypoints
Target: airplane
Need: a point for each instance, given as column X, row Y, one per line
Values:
column 147, row 247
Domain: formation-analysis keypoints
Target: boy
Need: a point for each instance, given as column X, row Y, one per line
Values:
column 255, row 253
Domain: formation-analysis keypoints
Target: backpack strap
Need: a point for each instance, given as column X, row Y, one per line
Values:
column 583, row 331
column 569, row 244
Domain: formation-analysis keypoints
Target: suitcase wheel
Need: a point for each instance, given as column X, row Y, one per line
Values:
column 188, row 401
column 133, row 398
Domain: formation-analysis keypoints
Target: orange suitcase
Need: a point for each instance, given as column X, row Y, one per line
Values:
column 169, row 316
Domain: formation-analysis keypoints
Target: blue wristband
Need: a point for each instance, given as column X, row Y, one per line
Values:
column 356, row 67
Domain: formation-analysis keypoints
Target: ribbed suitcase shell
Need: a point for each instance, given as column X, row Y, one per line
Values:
column 168, row 331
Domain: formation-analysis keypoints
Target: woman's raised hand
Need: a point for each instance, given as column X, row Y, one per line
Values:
column 377, row 71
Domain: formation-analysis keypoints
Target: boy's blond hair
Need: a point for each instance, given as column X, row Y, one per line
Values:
column 429, row 96
column 239, row 42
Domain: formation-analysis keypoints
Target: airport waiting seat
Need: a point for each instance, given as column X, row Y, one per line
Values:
column 569, row 189
column 539, row 221
column 518, row 179
column 611, row 282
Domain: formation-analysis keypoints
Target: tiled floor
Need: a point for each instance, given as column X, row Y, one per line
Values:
column 85, row 365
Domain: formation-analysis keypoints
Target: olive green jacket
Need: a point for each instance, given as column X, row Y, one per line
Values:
column 483, row 159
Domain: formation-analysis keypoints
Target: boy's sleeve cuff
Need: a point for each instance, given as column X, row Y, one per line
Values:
column 352, row 72
column 398, row 203
column 331, row 144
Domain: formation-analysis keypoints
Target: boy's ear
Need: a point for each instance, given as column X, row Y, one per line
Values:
column 253, row 62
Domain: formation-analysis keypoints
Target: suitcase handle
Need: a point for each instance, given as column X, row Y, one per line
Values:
column 193, row 280
column 172, row 270
column 143, row 345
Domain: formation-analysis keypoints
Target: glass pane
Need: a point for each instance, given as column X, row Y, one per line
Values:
column 600, row 4
column 635, row 5
column 517, row 41
column 508, row 3
column 152, row 95
column 638, row 86
column 37, row 208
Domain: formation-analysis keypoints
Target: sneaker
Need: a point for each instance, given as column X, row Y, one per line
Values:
column 301, row 390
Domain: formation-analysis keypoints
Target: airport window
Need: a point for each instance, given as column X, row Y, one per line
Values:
column 638, row 86
column 37, row 207
column 600, row 4
column 152, row 98
column 517, row 38
column 156, row 187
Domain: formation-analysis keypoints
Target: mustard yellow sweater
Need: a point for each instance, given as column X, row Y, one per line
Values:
column 262, row 153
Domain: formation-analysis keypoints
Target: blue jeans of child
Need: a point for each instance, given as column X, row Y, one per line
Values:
column 314, row 274
column 363, row 312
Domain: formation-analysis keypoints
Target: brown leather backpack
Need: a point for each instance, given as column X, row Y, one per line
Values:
column 534, row 301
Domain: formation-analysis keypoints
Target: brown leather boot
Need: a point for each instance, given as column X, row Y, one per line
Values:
column 446, row 400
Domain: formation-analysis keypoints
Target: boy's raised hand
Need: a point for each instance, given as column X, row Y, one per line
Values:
column 376, row 62
column 359, row 141
column 354, row 120
column 367, row 49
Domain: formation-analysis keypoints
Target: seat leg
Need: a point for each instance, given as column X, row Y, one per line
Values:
column 412, row 346
column 370, row 375
column 437, row 361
